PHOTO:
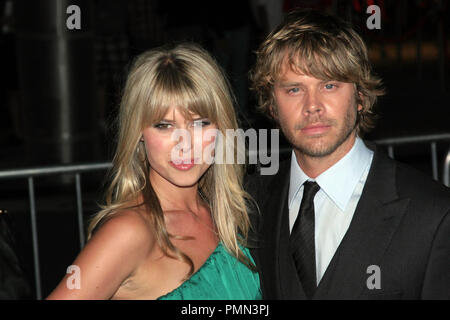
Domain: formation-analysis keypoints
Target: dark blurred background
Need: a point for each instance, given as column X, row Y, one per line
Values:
column 61, row 88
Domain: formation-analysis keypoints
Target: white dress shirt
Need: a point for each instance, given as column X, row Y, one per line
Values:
column 334, row 204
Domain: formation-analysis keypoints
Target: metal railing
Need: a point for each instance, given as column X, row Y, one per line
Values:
column 433, row 139
column 77, row 170
column 30, row 174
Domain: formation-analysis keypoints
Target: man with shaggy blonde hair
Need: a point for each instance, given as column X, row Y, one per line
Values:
column 339, row 220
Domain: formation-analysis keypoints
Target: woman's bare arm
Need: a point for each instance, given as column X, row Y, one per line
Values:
column 109, row 257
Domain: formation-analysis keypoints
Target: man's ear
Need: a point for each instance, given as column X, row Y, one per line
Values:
column 361, row 100
column 273, row 113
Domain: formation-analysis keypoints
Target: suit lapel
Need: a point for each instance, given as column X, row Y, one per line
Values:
column 375, row 220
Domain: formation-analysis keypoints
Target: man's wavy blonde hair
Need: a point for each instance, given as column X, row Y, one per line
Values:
column 185, row 76
column 322, row 46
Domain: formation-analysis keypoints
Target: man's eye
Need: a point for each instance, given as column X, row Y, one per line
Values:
column 293, row 90
column 330, row 86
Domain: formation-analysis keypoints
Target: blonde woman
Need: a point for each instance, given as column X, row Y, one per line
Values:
column 170, row 229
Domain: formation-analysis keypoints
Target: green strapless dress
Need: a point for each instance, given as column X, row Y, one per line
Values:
column 221, row 277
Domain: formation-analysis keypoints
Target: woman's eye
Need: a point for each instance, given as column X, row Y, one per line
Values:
column 201, row 123
column 162, row 126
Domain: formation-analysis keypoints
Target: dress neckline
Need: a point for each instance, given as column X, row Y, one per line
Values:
column 187, row 281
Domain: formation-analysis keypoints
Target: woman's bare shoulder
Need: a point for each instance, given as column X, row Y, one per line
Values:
column 129, row 226
column 114, row 252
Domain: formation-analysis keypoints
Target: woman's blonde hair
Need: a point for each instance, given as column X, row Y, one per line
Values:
column 185, row 76
column 322, row 46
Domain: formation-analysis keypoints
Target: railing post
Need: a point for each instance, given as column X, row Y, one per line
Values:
column 37, row 273
column 446, row 171
column 391, row 151
column 434, row 162
column 79, row 209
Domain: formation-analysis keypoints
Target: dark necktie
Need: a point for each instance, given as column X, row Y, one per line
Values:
column 302, row 240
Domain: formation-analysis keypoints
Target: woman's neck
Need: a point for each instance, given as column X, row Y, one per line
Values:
column 176, row 198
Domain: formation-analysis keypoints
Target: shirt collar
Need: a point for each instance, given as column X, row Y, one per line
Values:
column 339, row 181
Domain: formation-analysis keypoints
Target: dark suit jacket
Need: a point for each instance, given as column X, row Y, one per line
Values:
column 401, row 224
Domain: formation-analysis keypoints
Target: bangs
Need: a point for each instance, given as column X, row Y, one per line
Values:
column 173, row 88
column 322, row 57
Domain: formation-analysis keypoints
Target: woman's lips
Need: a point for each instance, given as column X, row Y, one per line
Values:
column 183, row 164
column 315, row 129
